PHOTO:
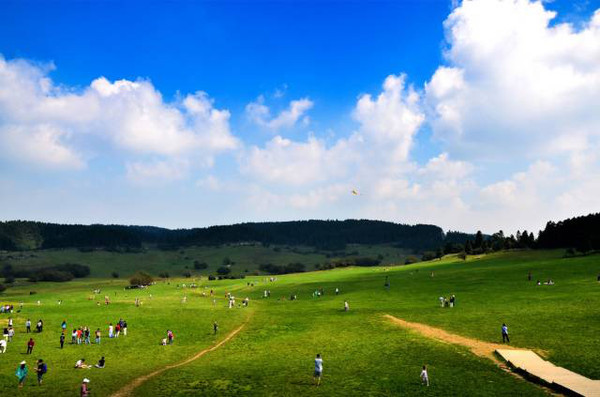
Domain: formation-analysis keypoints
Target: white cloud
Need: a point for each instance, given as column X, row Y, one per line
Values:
column 130, row 115
column 260, row 113
column 515, row 86
column 157, row 172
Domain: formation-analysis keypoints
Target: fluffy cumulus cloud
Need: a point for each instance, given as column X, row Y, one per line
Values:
column 514, row 81
column 260, row 113
column 40, row 122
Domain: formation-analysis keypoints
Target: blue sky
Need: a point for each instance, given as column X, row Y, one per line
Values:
column 410, row 158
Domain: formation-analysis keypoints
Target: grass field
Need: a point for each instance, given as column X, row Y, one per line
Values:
column 247, row 258
column 363, row 353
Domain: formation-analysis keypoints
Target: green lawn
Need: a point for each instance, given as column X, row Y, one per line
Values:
column 363, row 353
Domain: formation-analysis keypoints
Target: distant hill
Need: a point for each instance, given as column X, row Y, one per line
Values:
column 329, row 235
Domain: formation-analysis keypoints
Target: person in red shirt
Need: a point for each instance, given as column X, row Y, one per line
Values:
column 30, row 345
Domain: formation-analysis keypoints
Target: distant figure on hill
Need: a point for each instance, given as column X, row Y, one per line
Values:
column 40, row 326
column 62, row 340
column 424, row 376
column 337, row 291
column 318, row 369
column 28, row 325
column 41, row 369
column 529, row 276
column 452, row 301
column 64, row 325
column 215, row 328
column 101, row 363
column 441, row 299
column 30, row 345
column 85, row 390
column 387, row 282
column 505, row 334
column 21, row 373
column 346, row 306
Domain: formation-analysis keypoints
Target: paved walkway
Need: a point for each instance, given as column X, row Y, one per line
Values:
column 534, row 365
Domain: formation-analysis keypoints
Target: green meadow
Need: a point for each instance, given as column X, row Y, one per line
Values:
column 363, row 353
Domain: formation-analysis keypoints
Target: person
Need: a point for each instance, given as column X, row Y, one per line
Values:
column 215, row 327
column 337, row 291
column 98, row 334
column 505, row 334
column 86, row 335
column 22, row 373
column 5, row 334
column 80, row 364
column 529, row 276
column 101, row 363
column 424, row 376
column 10, row 322
column 170, row 336
column 441, row 301
column 74, row 336
column 124, row 327
column 110, row 331
column 41, row 369
column 28, row 325
column 163, row 341
column 117, row 330
column 387, row 282
column 85, row 390
column 452, row 300
column 318, row 369
column 3, row 345
column 346, row 306
column 30, row 345
column 40, row 326
column 62, row 340
column 11, row 333
column 64, row 325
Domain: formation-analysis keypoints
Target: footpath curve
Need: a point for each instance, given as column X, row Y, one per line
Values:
column 128, row 389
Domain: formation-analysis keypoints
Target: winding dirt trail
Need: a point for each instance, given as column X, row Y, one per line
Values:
column 477, row 347
column 128, row 389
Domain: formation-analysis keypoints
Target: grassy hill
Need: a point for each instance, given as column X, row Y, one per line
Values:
column 363, row 353
column 247, row 258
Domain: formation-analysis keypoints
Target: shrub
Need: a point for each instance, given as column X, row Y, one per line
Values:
column 200, row 265
column 223, row 270
column 163, row 275
column 2, row 287
column 9, row 279
column 211, row 278
column 410, row 260
column 187, row 274
column 50, row 275
column 141, row 278
column 114, row 275
column 77, row 270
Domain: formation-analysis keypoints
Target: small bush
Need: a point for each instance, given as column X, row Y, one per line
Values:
column 223, row 270
column 50, row 275
column 410, row 260
column 114, row 275
column 200, row 265
column 187, row 274
column 141, row 278
column 211, row 278
column 163, row 275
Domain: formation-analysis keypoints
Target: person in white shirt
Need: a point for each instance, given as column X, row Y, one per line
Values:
column 346, row 306
column 424, row 376
column 318, row 369
column 505, row 334
column 3, row 344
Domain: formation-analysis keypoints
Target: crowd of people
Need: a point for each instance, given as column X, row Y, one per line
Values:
column 447, row 301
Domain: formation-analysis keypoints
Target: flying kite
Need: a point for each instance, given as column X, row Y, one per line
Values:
column 355, row 193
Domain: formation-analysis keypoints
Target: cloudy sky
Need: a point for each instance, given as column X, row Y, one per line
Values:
column 481, row 114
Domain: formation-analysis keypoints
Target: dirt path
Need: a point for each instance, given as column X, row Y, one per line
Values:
column 128, row 389
column 477, row 347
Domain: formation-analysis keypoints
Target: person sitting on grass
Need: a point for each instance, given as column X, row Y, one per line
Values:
column 163, row 341
column 80, row 364
column 318, row 370
column 101, row 363
column 424, row 376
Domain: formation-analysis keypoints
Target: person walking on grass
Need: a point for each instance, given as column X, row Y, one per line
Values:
column 215, row 327
column 28, row 325
column 505, row 334
column 30, row 345
column 62, row 340
column 98, row 334
column 3, row 345
column 424, row 376
column 318, row 369
column 85, row 389
column 346, row 306
column 21, row 373
column 41, row 369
